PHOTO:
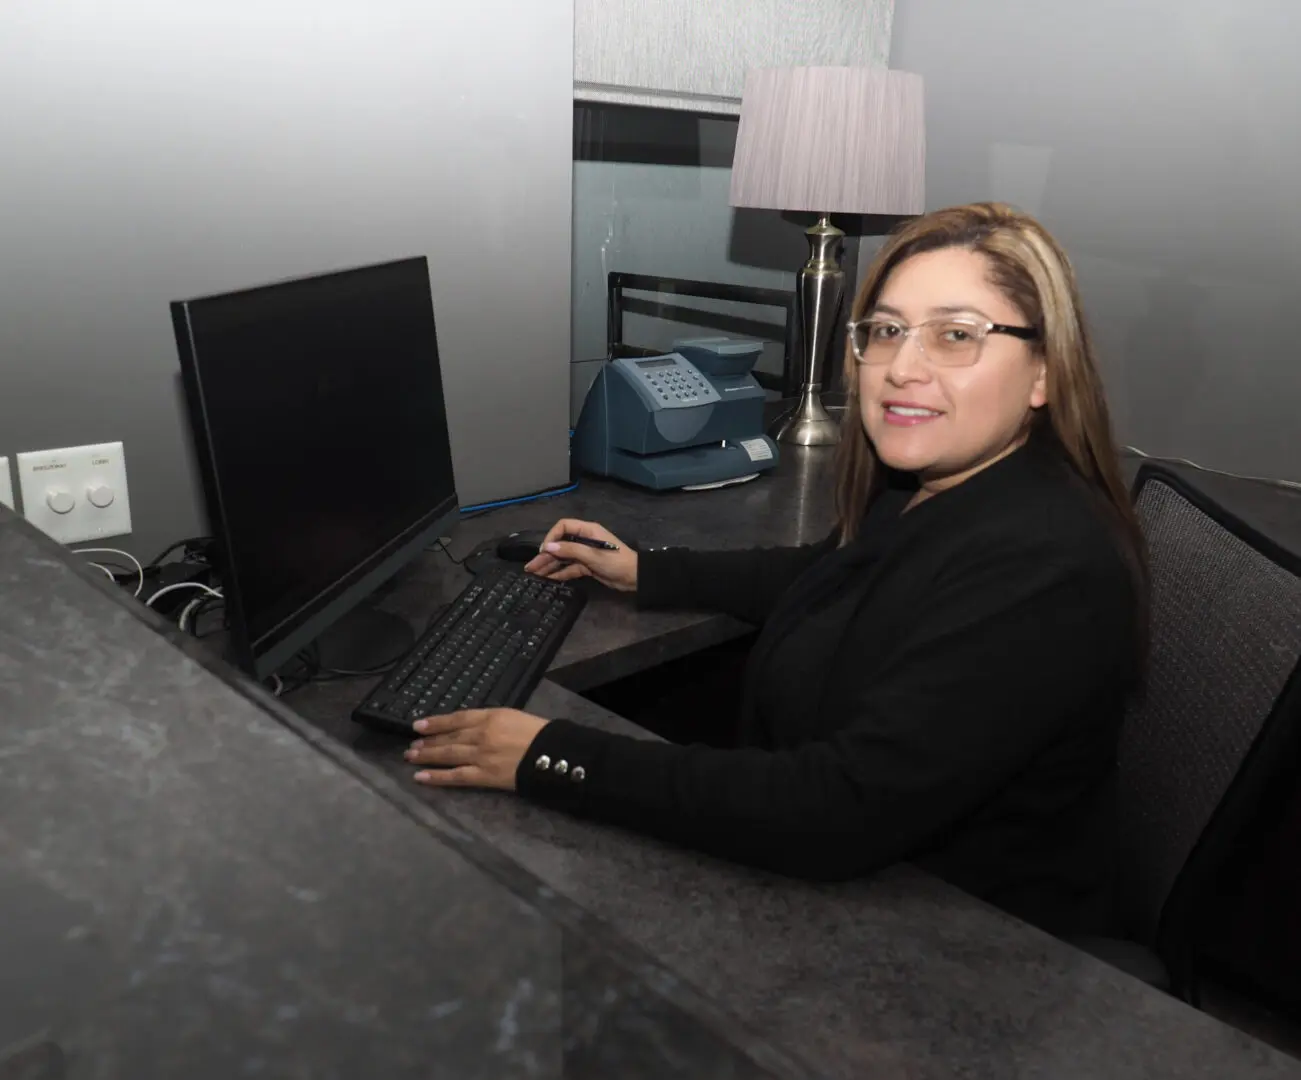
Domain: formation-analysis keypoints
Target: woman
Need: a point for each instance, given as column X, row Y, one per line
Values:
column 942, row 679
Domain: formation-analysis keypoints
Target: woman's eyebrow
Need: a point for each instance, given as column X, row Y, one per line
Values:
column 942, row 309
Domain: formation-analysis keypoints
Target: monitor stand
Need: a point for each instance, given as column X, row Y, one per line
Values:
column 365, row 640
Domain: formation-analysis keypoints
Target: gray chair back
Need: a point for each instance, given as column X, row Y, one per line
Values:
column 1221, row 709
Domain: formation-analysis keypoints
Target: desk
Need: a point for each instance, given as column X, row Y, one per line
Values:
column 274, row 891
column 195, row 882
column 902, row 976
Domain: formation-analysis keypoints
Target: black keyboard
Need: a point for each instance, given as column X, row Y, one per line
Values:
column 491, row 647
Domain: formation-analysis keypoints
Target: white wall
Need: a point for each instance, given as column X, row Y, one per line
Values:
column 1161, row 141
column 153, row 151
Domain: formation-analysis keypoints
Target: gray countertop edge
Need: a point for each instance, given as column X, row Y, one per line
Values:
column 502, row 869
column 587, row 673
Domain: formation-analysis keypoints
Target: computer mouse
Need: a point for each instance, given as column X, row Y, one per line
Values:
column 521, row 546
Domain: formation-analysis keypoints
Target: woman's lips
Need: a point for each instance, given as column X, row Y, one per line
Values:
column 905, row 414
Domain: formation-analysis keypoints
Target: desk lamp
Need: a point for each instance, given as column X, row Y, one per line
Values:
column 831, row 140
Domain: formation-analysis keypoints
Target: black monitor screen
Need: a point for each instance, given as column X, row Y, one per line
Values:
column 322, row 430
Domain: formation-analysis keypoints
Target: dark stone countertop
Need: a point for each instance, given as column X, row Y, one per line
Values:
column 902, row 976
column 194, row 882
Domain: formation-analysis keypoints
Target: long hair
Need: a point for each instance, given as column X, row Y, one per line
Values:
column 1033, row 272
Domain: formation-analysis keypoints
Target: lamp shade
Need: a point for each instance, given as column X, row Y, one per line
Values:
column 833, row 140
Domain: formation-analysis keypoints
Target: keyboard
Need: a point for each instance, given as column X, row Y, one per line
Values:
column 489, row 648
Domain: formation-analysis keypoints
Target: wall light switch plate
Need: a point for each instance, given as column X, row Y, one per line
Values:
column 6, row 484
column 76, row 494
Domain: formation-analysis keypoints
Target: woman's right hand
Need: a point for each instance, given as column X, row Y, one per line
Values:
column 562, row 561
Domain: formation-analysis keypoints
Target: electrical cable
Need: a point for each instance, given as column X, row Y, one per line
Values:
column 311, row 668
column 181, row 585
column 1295, row 485
column 312, row 671
column 206, row 604
column 324, row 674
column 100, row 566
column 195, row 608
column 483, row 508
column 121, row 572
column 158, row 559
column 185, row 611
column 327, row 674
column 438, row 545
column 140, row 570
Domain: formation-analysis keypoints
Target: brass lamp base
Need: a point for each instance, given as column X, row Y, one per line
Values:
column 808, row 424
column 821, row 283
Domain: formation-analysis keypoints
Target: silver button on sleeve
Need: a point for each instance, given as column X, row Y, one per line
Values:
column 543, row 763
column 561, row 767
column 578, row 774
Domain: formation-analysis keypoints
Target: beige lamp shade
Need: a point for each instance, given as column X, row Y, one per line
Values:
column 833, row 140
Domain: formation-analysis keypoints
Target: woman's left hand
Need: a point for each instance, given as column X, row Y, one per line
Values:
column 474, row 748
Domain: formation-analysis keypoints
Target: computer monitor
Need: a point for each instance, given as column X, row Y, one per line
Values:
column 321, row 433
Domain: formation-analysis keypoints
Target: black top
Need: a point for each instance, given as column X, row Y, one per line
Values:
column 948, row 689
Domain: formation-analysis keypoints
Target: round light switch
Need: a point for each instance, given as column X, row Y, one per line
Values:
column 100, row 495
column 59, row 500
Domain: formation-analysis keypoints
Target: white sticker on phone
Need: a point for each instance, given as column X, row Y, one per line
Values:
column 758, row 449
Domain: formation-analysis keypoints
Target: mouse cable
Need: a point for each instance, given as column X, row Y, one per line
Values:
column 311, row 671
column 441, row 545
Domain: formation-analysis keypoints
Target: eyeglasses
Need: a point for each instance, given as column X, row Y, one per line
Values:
column 947, row 341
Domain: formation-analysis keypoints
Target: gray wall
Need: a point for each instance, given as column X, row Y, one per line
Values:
column 152, row 151
column 1160, row 140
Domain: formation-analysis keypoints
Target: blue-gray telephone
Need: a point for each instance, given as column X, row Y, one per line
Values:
column 691, row 418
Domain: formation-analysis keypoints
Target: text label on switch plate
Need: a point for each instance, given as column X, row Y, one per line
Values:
column 78, row 493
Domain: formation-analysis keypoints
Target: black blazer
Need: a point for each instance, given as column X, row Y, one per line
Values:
column 948, row 689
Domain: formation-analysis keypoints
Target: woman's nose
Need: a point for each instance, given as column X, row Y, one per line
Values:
column 909, row 363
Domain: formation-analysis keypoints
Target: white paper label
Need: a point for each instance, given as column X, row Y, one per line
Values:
column 757, row 449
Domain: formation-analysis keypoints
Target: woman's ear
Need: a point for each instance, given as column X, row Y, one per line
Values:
column 1039, row 388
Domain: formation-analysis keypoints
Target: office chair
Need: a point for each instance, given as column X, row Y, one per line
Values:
column 1219, row 719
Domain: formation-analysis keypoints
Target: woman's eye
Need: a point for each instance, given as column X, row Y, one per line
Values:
column 885, row 331
column 956, row 335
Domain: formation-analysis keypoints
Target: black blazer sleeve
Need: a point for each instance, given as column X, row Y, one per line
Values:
column 745, row 583
column 991, row 674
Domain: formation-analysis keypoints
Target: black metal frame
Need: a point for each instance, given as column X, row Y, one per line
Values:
column 786, row 384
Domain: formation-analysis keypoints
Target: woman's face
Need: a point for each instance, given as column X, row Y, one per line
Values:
column 971, row 415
